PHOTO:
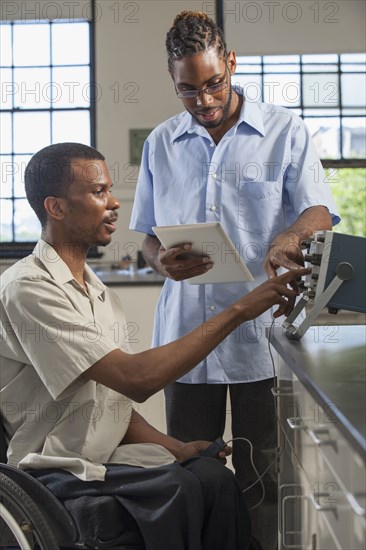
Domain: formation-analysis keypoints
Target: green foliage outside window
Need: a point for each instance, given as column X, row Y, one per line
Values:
column 349, row 191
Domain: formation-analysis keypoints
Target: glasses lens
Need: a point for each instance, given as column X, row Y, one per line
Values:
column 188, row 94
column 216, row 88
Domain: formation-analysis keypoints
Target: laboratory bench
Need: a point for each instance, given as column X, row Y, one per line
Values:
column 320, row 396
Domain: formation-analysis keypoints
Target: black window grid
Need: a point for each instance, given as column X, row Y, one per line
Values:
column 8, row 247
column 301, row 107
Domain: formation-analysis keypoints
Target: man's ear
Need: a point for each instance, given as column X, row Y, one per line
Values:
column 55, row 207
column 231, row 62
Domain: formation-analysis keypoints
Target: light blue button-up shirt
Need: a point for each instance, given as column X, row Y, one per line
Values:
column 256, row 181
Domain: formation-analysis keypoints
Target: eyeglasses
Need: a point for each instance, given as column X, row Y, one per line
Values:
column 195, row 92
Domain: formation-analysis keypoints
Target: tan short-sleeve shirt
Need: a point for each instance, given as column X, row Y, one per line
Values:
column 52, row 331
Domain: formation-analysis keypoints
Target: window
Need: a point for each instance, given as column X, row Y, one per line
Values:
column 329, row 93
column 46, row 97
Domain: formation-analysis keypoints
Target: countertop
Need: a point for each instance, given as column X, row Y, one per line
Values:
column 330, row 362
column 123, row 277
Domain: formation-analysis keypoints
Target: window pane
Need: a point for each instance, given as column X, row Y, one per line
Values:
column 281, row 59
column 326, row 134
column 353, row 68
column 320, row 68
column 281, row 68
column 354, row 112
column 316, row 58
column 31, row 44
column 71, row 126
column 7, row 172
column 249, row 59
column 70, row 44
column 321, row 112
column 353, row 90
column 252, row 85
column 20, row 164
column 71, row 87
column 353, row 57
column 354, row 137
column 5, row 132
column 282, row 89
column 32, row 88
column 31, row 132
column 6, row 211
column 249, row 69
column 320, row 90
column 27, row 226
column 5, row 45
column 348, row 187
column 7, row 89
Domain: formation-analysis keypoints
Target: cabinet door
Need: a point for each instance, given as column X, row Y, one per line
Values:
column 322, row 480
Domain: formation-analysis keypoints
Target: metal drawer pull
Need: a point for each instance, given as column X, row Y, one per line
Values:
column 322, row 507
column 278, row 391
column 296, row 423
column 355, row 505
column 318, row 441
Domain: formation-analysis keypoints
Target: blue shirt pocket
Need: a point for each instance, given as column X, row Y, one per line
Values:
column 260, row 207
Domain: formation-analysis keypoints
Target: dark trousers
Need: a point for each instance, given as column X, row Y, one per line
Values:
column 192, row 505
column 198, row 411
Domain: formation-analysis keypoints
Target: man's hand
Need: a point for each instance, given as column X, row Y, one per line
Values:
column 194, row 448
column 179, row 263
column 281, row 290
column 284, row 251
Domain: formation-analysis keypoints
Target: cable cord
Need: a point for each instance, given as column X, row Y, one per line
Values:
column 278, row 451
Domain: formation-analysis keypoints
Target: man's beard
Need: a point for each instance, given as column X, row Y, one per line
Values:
column 224, row 117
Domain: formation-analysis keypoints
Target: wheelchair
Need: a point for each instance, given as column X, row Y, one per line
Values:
column 31, row 517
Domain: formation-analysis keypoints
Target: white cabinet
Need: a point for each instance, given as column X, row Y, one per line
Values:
column 139, row 303
column 322, row 480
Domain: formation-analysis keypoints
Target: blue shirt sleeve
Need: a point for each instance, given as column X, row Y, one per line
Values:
column 143, row 211
column 305, row 180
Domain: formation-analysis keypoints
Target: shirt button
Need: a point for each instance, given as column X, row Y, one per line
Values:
column 213, row 207
column 212, row 308
column 214, row 176
column 212, row 145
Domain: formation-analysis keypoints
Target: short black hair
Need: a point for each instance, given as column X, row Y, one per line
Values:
column 193, row 32
column 49, row 174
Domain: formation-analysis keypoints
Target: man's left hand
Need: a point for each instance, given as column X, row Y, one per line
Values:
column 194, row 448
column 284, row 251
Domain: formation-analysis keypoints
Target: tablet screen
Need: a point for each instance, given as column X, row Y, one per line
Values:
column 208, row 239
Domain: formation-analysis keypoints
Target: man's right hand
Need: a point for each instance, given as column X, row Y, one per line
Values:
column 179, row 263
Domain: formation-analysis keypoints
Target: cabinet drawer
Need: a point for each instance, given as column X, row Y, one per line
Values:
column 332, row 478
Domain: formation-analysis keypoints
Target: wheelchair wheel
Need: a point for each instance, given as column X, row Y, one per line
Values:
column 22, row 525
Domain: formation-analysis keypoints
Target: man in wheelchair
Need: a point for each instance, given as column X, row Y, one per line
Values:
column 68, row 380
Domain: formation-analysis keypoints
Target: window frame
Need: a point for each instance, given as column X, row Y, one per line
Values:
column 263, row 63
column 15, row 248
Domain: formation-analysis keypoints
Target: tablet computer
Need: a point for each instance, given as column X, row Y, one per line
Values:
column 208, row 239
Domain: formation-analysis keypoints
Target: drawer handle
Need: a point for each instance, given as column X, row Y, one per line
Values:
column 314, row 434
column 355, row 505
column 322, row 507
column 296, row 423
column 277, row 391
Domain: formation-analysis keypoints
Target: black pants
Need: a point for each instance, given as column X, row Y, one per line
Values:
column 192, row 505
column 199, row 411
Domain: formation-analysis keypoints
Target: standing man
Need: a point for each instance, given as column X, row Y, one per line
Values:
column 251, row 167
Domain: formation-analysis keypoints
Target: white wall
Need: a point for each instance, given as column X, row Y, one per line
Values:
column 137, row 91
column 287, row 26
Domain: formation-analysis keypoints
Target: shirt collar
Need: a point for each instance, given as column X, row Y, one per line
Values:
column 249, row 114
column 59, row 270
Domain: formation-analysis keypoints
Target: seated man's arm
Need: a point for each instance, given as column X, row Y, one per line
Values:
column 140, row 375
column 140, row 431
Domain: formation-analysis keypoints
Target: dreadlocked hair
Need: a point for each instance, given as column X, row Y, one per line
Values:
column 193, row 32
